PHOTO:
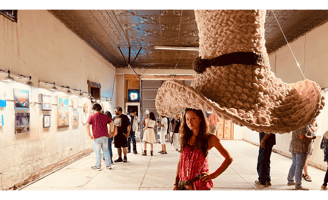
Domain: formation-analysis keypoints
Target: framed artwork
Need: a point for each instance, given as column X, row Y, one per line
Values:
column 1, row 120
column 3, row 101
column 21, row 99
column 62, row 112
column 46, row 121
column 86, row 110
column 22, row 122
column 75, row 110
column 46, row 102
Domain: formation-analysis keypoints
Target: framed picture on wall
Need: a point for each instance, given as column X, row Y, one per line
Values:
column 86, row 106
column 75, row 111
column 46, row 121
column 62, row 112
column 22, row 121
column 21, row 99
column 46, row 102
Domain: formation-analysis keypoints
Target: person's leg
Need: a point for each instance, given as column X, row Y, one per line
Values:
column 119, row 152
column 125, row 151
column 165, row 149
column 110, row 140
column 291, row 173
column 97, row 150
column 129, row 143
column 267, row 156
column 151, row 148
column 260, row 166
column 145, row 146
column 104, row 145
column 325, row 181
column 300, row 162
column 134, row 142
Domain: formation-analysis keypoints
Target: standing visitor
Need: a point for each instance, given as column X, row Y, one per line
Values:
column 324, row 146
column 149, row 135
column 134, row 127
column 163, row 131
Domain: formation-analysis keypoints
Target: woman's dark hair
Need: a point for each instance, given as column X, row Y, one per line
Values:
column 152, row 116
column 109, row 115
column 96, row 107
column 202, row 137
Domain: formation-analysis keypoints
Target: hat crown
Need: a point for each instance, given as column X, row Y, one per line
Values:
column 228, row 31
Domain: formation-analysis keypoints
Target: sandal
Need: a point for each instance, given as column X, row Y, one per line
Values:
column 307, row 178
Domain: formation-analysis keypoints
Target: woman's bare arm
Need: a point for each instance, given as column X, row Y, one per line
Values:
column 215, row 142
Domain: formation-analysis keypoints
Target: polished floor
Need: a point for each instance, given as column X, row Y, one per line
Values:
column 158, row 172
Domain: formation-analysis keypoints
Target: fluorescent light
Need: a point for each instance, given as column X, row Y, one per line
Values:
column 177, row 48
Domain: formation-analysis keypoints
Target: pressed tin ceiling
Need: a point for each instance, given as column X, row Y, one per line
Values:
column 112, row 32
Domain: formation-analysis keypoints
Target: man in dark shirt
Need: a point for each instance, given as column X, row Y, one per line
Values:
column 122, row 130
column 267, row 140
column 99, row 135
column 175, row 126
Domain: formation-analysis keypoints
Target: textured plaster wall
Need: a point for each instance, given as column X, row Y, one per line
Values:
column 40, row 46
column 311, row 52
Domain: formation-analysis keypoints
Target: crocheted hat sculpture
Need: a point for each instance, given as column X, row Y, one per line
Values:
column 234, row 80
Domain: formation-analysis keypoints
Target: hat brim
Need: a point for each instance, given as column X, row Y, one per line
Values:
column 173, row 97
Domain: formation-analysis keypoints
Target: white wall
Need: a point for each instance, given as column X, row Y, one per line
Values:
column 39, row 45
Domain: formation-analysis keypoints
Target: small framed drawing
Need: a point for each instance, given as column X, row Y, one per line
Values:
column 45, row 102
column 22, row 122
column 46, row 121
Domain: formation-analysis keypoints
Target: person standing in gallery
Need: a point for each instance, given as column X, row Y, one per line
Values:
column 213, row 120
column 174, row 128
column 149, row 135
column 134, row 127
column 314, row 127
column 324, row 146
column 99, row 136
column 122, row 126
column 110, row 138
column 267, row 141
column 163, row 131
column 299, row 147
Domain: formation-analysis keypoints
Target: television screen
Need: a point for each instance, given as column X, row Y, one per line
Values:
column 133, row 95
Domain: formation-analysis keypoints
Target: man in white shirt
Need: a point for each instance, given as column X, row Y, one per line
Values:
column 163, row 124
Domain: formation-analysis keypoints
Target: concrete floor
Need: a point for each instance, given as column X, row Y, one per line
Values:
column 158, row 172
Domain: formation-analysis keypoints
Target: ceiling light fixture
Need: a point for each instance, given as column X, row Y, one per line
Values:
column 8, row 78
column 177, row 48
column 68, row 90
column 29, row 82
column 53, row 88
column 81, row 93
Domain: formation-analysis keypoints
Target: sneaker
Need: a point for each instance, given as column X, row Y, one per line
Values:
column 165, row 152
column 108, row 167
column 125, row 159
column 96, row 168
column 258, row 183
column 267, row 183
column 307, row 178
column 324, row 187
column 161, row 152
column 119, row 159
column 290, row 183
column 135, row 152
column 302, row 188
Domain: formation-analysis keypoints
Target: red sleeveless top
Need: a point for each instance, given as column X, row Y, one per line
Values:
column 192, row 164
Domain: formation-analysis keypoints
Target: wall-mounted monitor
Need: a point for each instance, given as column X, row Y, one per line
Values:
column 133, row 95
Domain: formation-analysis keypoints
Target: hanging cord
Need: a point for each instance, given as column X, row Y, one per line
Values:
column 298, row 65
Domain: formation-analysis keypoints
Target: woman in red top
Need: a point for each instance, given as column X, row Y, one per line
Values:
column 195, row 143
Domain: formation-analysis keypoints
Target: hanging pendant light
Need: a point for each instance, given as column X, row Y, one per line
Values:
column 29, row 82
column 8, row 78
column 81, row 93
column 68, row 90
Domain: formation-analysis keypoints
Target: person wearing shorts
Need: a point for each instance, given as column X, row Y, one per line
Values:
column 122, row 130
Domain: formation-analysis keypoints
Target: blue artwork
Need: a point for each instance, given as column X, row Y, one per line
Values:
column 3, row 103
column 21, row 99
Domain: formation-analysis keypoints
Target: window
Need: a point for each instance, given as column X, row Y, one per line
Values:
column 10, row 14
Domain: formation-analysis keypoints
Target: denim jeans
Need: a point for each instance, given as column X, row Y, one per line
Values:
column 296, row 169
column 110, row 141
column 263, row 164
column 132, row 138
column 98, row 145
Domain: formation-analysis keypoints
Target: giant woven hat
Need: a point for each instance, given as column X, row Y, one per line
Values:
column 234, row 80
